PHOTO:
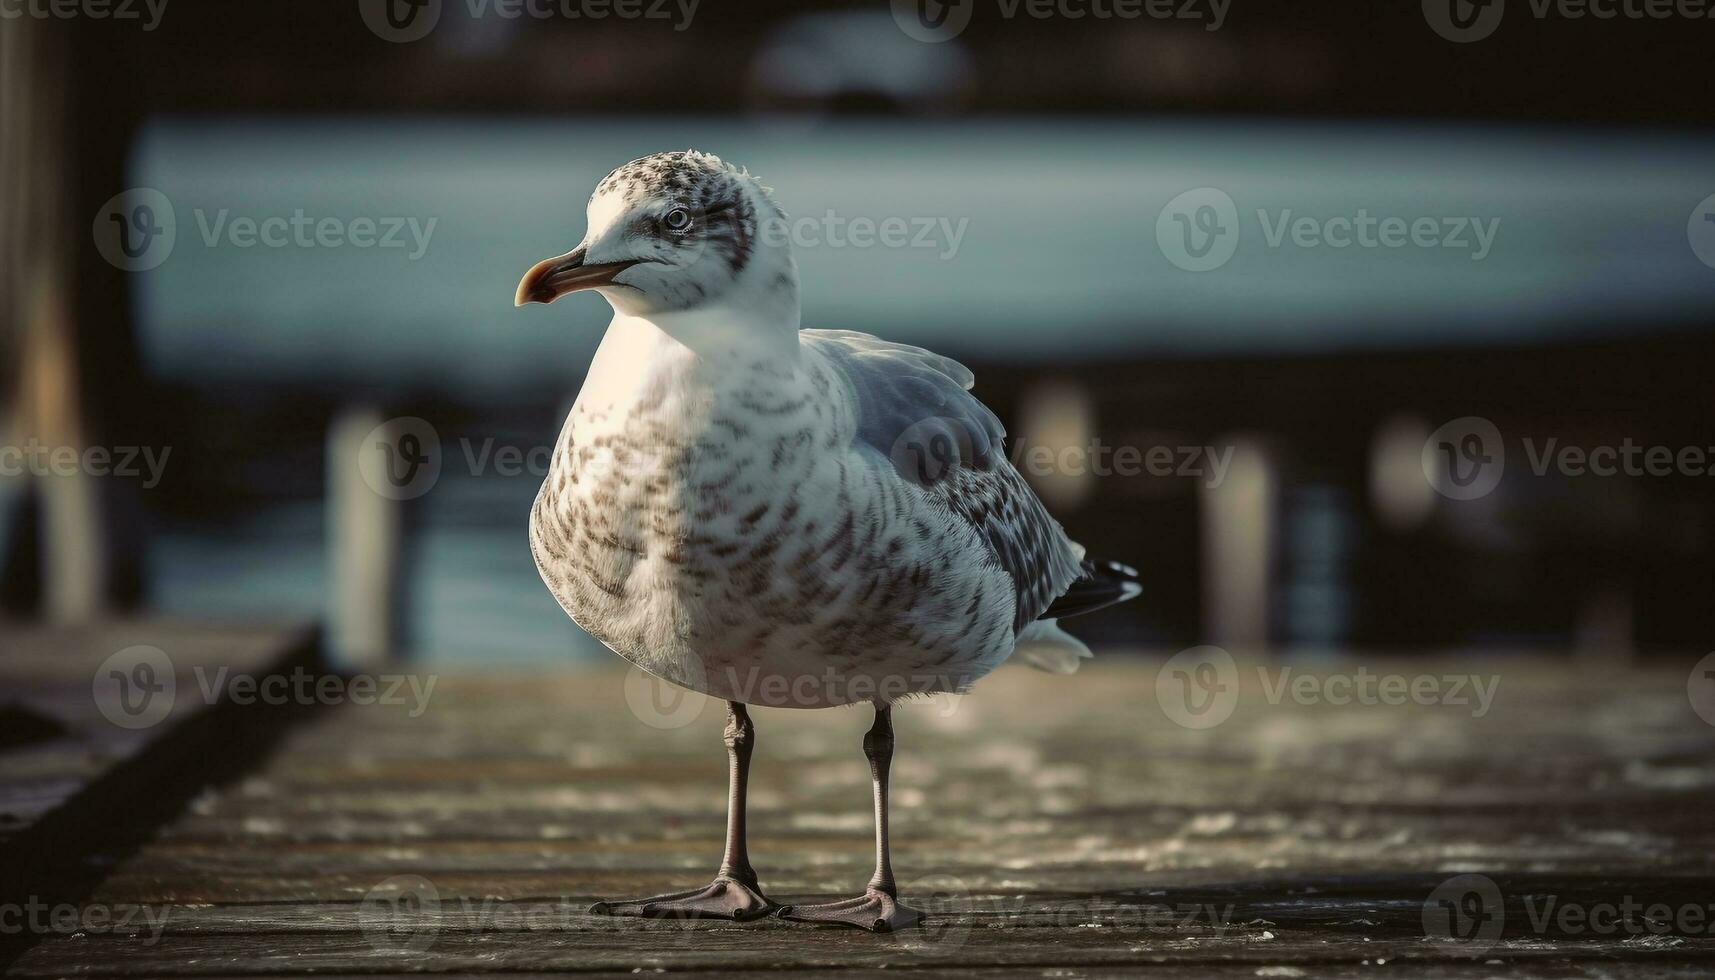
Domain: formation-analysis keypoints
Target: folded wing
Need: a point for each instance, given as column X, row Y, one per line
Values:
column 915, row 408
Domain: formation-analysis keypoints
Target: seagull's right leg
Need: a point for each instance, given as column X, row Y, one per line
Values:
column 878, row 909
column 734, row 894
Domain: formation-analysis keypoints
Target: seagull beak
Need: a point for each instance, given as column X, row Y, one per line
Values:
column 550, row 279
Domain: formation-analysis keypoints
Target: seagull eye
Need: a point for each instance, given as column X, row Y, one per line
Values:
column 678, row 219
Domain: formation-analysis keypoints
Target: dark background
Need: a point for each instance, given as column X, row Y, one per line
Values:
column 238, row 528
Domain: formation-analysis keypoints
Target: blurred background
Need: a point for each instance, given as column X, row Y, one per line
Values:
column 246, row 248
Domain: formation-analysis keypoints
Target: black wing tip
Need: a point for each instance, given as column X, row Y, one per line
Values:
column 1103, row 584
column 1117, row 574
column 1113, row 569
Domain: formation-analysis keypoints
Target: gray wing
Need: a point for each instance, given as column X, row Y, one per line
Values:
column 915, row 407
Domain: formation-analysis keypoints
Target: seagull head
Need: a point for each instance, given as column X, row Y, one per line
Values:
column 675, row 233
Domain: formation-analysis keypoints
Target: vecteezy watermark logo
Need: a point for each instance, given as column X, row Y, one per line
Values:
column 40, row 918
column 1629, row 458
column 675, row 697
column 664, row 704
column 1198, row 231
column 1464, row 459
column 1368, row 231
column 945, row 901
column 135, row 231
column 933, row 449
column 1700, row 688
column 835, row 230
column 305, row 687
column 1464, row 21
column 400, row 459
column 401, row 916
column 300, row 230
column 1465, row 912
column 403, row 21
column 149, row 12
column 1198, row 688
column 927, row 451
column 1466, row 915
column 400, row 21
column 136, row 687
column 37, row 459
column 1207, row 464
column 1365, row 687
column 1550, row 914
column 1700, row 231
column 933, row 21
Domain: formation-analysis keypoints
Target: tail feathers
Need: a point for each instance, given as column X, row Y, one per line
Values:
column 1104, row 584
column 1045, row 646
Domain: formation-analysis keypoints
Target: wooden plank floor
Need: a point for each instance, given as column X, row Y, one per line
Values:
column 107, row 731
column 1062, row 827
column 56, row 695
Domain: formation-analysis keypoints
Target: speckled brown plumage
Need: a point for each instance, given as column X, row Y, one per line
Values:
column 736, row 502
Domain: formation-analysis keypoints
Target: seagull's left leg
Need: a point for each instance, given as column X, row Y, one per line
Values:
column 734, row 894
column 878, row 909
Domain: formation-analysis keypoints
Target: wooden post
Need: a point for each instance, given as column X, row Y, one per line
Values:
column 68, row 358
column 1238, row 530
column 15, row 68
column 40, row 272
column 365, row 530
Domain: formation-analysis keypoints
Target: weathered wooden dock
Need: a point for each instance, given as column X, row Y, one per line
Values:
column 1064, row 827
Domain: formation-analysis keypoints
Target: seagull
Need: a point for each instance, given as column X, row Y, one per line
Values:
column 780, row 516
